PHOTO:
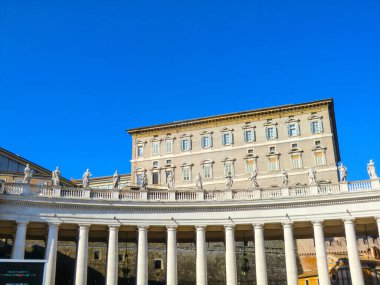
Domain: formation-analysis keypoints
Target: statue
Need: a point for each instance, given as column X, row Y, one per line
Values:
column 198, row 182
column 170, row 181
column 56, row 176
column 115, row 180
column 144, row 180
column 342, row 172
column 229, row 182
column 28, row 173
column 371, row 170
column 253, row 177
column 86, row 178
column 285, row 178
column 312, row 176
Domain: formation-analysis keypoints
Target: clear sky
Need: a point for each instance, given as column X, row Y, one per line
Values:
column 76, row 74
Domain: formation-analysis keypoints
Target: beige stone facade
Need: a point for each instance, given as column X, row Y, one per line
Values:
column 291, row 137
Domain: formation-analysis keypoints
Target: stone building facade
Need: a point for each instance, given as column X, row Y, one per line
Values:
column 291, row 137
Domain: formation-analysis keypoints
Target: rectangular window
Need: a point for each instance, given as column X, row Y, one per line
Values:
column 185, row 144
column 316, row 127
column 249, row 136
column 140, row 151
column 273, row 163
column 250, row 165
column 169, row 146
column 168, row 161
column 228, row 169
column 155, row 163
column 157, row 264
column 317, row 143
column 206, row 141
column 293, row 130
column 186, row 174
column 207, row 171
column 272, row 149
column 296, row 160
column 294, row 145
column 138, row 179
column 155, row 178
column 227, row 138
column 155, row 148
column 320, row 158
column 271, row 133
column 250, row 151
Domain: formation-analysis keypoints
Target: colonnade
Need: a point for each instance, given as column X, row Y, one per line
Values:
column 201, row 263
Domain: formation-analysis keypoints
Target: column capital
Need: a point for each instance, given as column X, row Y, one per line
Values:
column 172, row 227
column 348, row 221
column 287, row 224
column 200, row 228
column 143, row 227
column 22, row 222
column 229, row 227
column 84, row 226
column 258, row 226
column 113, row 227
column 317, row 223
column 54, row 224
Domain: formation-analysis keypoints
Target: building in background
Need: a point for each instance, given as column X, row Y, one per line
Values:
column 290, row 137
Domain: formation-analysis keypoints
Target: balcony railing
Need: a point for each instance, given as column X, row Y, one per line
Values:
column 152, row 195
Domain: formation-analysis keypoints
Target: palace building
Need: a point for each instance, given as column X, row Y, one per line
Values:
column 291, row 137
column 287, row 218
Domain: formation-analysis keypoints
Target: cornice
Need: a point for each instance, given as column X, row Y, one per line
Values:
column 232, row 118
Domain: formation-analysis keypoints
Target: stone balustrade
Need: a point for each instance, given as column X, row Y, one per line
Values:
column 153, row 195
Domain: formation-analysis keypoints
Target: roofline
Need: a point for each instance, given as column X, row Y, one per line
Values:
column 33, row 165
column 101, row 177
column 223, row 116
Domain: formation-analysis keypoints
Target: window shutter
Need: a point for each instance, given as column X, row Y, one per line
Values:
column 254, row 135
column 203, row 142
column 276, row 133
column 266, row 133
column 311, row 128
column 321, row 125
column 210, row 141
column 190, row 143
column 223, row 142
column 298, row 129
column 289, row 133
column 232, row 138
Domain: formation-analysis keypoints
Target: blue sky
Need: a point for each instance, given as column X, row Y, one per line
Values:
column 75, row 74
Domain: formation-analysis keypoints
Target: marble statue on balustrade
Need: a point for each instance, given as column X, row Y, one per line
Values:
column 56, row 176
column 115, row 180
column 86, row 178
column 198, row 182
column 253, row 177
column 371, row 170
column 170, row 181
column 144, row 181
column 28, row 173
column 229, row 182
column 342, row 172
column 312, row 176
column 285, row 178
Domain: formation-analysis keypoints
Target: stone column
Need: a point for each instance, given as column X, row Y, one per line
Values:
column 171, row 266
column 378, row 224
column 353, row 253
column 319, row 239
column 201, row 261
column 142, row 256
column 231, row 277
column 82, row 256
column 18, row 249
column 51, row 254
column 112, row 256
column 261, row 265
column 290, row 255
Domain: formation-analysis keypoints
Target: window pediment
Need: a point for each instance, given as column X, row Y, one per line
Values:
column 224, row 130
column 227, row 159
column 185, row 164
column 169, row 138
column 319, row 148
column 206, row 132
column 270, row 123
column 140, row 169
column 207, row 161
column 155, row 139
column 248, row 126
column 140, row 142
column 251, row 156
column 292, row 120
column 314, row 117
column 186, row 135
column 295, row 150
column 273, row 153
